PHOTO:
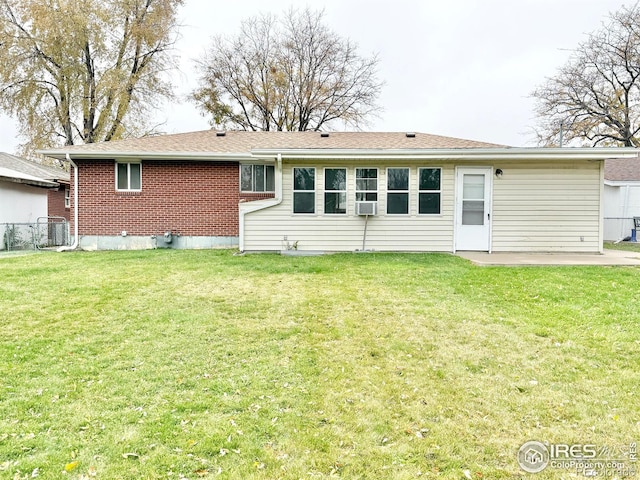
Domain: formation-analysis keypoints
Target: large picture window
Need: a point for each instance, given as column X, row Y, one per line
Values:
column 429, row 191
column 257, row 178
column 128, row 176
column 335, row 190
column 304, row 190
column 397, row 191
column 366, row 184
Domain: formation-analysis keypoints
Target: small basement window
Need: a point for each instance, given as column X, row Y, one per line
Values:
column 257, row 178
column 128, row 176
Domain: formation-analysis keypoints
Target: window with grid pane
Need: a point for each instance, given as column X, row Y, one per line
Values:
column 429, row 191
column 397, row 191
column 335, row 191
column 366, row 184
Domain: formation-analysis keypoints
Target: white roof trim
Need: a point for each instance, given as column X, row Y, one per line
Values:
column 622, row 183
column 93, row 155
column 482, row 154
column 458, row 153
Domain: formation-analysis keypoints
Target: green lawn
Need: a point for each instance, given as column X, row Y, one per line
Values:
column 202, row 364
column 629, row 246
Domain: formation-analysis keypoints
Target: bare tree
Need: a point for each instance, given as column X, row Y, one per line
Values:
column 286, row 74
column 83, row 71
column 595, row 98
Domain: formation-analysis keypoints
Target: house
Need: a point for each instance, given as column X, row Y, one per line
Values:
column 30, row 193
column 344, row 191
column 621, row 197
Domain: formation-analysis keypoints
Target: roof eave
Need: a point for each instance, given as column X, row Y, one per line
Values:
column 484, row 154
column 456, row 153
column 32, row 182
column 88, row 155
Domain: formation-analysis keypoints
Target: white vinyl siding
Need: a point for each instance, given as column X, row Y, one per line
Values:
column 267, row 229
column 552, row 206
column 537, row 206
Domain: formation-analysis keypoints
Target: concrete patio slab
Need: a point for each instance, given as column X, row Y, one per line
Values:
column 608, row 258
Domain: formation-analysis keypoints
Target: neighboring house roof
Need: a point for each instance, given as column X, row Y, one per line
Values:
column 622, row 169
column 19, row 170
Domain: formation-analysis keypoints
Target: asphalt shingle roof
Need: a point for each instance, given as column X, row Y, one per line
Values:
column 12, row 167
column 210, row 141
column 622, row 169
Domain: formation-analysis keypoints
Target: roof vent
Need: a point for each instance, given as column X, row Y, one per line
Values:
column 411, row 134
column 220, row 133
column 324, row 134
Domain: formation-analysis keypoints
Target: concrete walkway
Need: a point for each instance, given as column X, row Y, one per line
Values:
column 609, row 257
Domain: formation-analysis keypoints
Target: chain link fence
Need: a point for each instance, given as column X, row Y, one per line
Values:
column 47, row 232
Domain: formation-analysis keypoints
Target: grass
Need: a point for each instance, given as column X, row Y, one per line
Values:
column 629, row 246
column 202, row 364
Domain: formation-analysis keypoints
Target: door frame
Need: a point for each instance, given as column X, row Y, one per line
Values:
column 457, row 211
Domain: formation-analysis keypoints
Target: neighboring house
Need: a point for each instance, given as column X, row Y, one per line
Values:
column 313, row 191
column 621, row 197
column 30, row 192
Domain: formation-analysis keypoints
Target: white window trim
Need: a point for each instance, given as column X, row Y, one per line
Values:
column 376, row 191
column 294, row 191
column 429, row 191
column 252, row 165
column 67, row 197
column 128, row 163
column 407, row 191
column 345, row 191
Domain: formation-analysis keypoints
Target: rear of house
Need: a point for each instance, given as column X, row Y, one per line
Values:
column 312, row 191
column 432, row 205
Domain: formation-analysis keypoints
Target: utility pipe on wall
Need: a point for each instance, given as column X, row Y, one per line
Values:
column 75, row 207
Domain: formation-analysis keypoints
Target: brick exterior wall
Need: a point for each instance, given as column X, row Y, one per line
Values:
column 189, row 198
column 55, row 203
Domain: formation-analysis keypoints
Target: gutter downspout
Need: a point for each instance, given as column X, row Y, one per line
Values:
column 277, row 200
column 75, row 208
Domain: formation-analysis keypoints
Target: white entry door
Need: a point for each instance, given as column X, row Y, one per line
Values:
column 473, row 208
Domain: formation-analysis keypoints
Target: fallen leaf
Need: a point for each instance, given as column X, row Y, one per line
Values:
column 202, row 473
column 131, row 455
column 69, row 467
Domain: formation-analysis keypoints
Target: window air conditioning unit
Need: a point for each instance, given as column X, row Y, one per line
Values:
column 366, row 208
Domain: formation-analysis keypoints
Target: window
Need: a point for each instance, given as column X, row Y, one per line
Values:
column 257, row 178
column 366, row 184
column 67, row 198
column 397, row 191
column 128, row 176
column 429, row 191
column 335, row 190
column 304, row 190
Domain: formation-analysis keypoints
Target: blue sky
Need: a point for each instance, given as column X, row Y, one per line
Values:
column 460, row 68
